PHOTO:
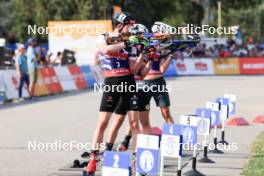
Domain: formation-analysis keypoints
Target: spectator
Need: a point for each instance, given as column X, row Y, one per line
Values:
column 48, row 57
column 199, row 51
column 211, row 52
column 243, row 52
column 15, row 55
column 253, row 52
column 32, row 60
column 22, row 69
column 42, row 53
column 250, row 44
column 260, row 52
column 235, row 52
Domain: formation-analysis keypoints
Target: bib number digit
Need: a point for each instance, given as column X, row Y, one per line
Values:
column 116, row 159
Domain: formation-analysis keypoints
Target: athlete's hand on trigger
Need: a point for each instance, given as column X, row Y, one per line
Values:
column 134, row 40
column 143, row 44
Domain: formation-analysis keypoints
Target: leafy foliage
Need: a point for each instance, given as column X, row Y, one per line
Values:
column 15, row 15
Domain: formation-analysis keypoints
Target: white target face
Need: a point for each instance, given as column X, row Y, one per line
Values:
column 146, row 161
column 202, row 126
column 188, row 135
column 171, row 146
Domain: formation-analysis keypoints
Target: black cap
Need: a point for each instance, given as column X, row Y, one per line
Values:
column 124, row 18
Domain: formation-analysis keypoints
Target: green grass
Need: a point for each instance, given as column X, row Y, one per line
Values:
column 255, row 166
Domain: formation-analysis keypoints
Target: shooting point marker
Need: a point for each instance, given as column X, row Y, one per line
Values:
column 259, row 119
column 237, row 121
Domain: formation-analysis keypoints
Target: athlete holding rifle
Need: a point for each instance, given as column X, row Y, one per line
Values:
column 118, row 67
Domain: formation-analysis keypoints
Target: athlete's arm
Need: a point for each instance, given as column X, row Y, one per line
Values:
column 164, row 63
column 104, row 48
column 145, row 68
column 135, row 65
column 96, row 59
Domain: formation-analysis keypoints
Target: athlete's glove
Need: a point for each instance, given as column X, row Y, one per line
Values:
column 142, row 45
column 132, row 41
column 139, row 42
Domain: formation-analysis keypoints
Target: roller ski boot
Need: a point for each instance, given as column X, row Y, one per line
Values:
column 90, row 169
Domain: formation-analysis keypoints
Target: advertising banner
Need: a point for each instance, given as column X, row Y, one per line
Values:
column 51, row 80
column 77, row 77
column 171, row 71
column 10, row 85
column 182, row 67
column 40, row 87
column 195, row 66
column 2, row 88
column 226, row 66
column 65, row 78
column 97, row 74
column 78, row 36
column 251, row 65
column 88, row 76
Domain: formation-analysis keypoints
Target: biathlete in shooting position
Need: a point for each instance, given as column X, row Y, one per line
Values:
column 157, row 64
column 139, row 30
column 157, row 86
column 119, row 66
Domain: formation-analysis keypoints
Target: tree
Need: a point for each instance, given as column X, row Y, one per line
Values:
column 16, row 15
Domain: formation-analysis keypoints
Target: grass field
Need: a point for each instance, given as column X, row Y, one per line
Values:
column 255, row 166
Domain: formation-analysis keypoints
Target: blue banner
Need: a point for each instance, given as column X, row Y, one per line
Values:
column 1, row 97
column 171, row 71
column 88, row 76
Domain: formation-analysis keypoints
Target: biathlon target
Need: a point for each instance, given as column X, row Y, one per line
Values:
column 189, row 134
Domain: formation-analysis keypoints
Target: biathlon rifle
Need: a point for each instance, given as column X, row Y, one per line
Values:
column 182, row 45
column 125, row 37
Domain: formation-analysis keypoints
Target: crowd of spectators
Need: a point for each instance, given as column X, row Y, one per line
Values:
column 27, row 60
column 45, row 57
column 231, row 49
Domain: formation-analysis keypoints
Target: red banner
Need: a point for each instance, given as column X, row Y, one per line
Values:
column 50, row 79
column 251, row 65
column 77, row 77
